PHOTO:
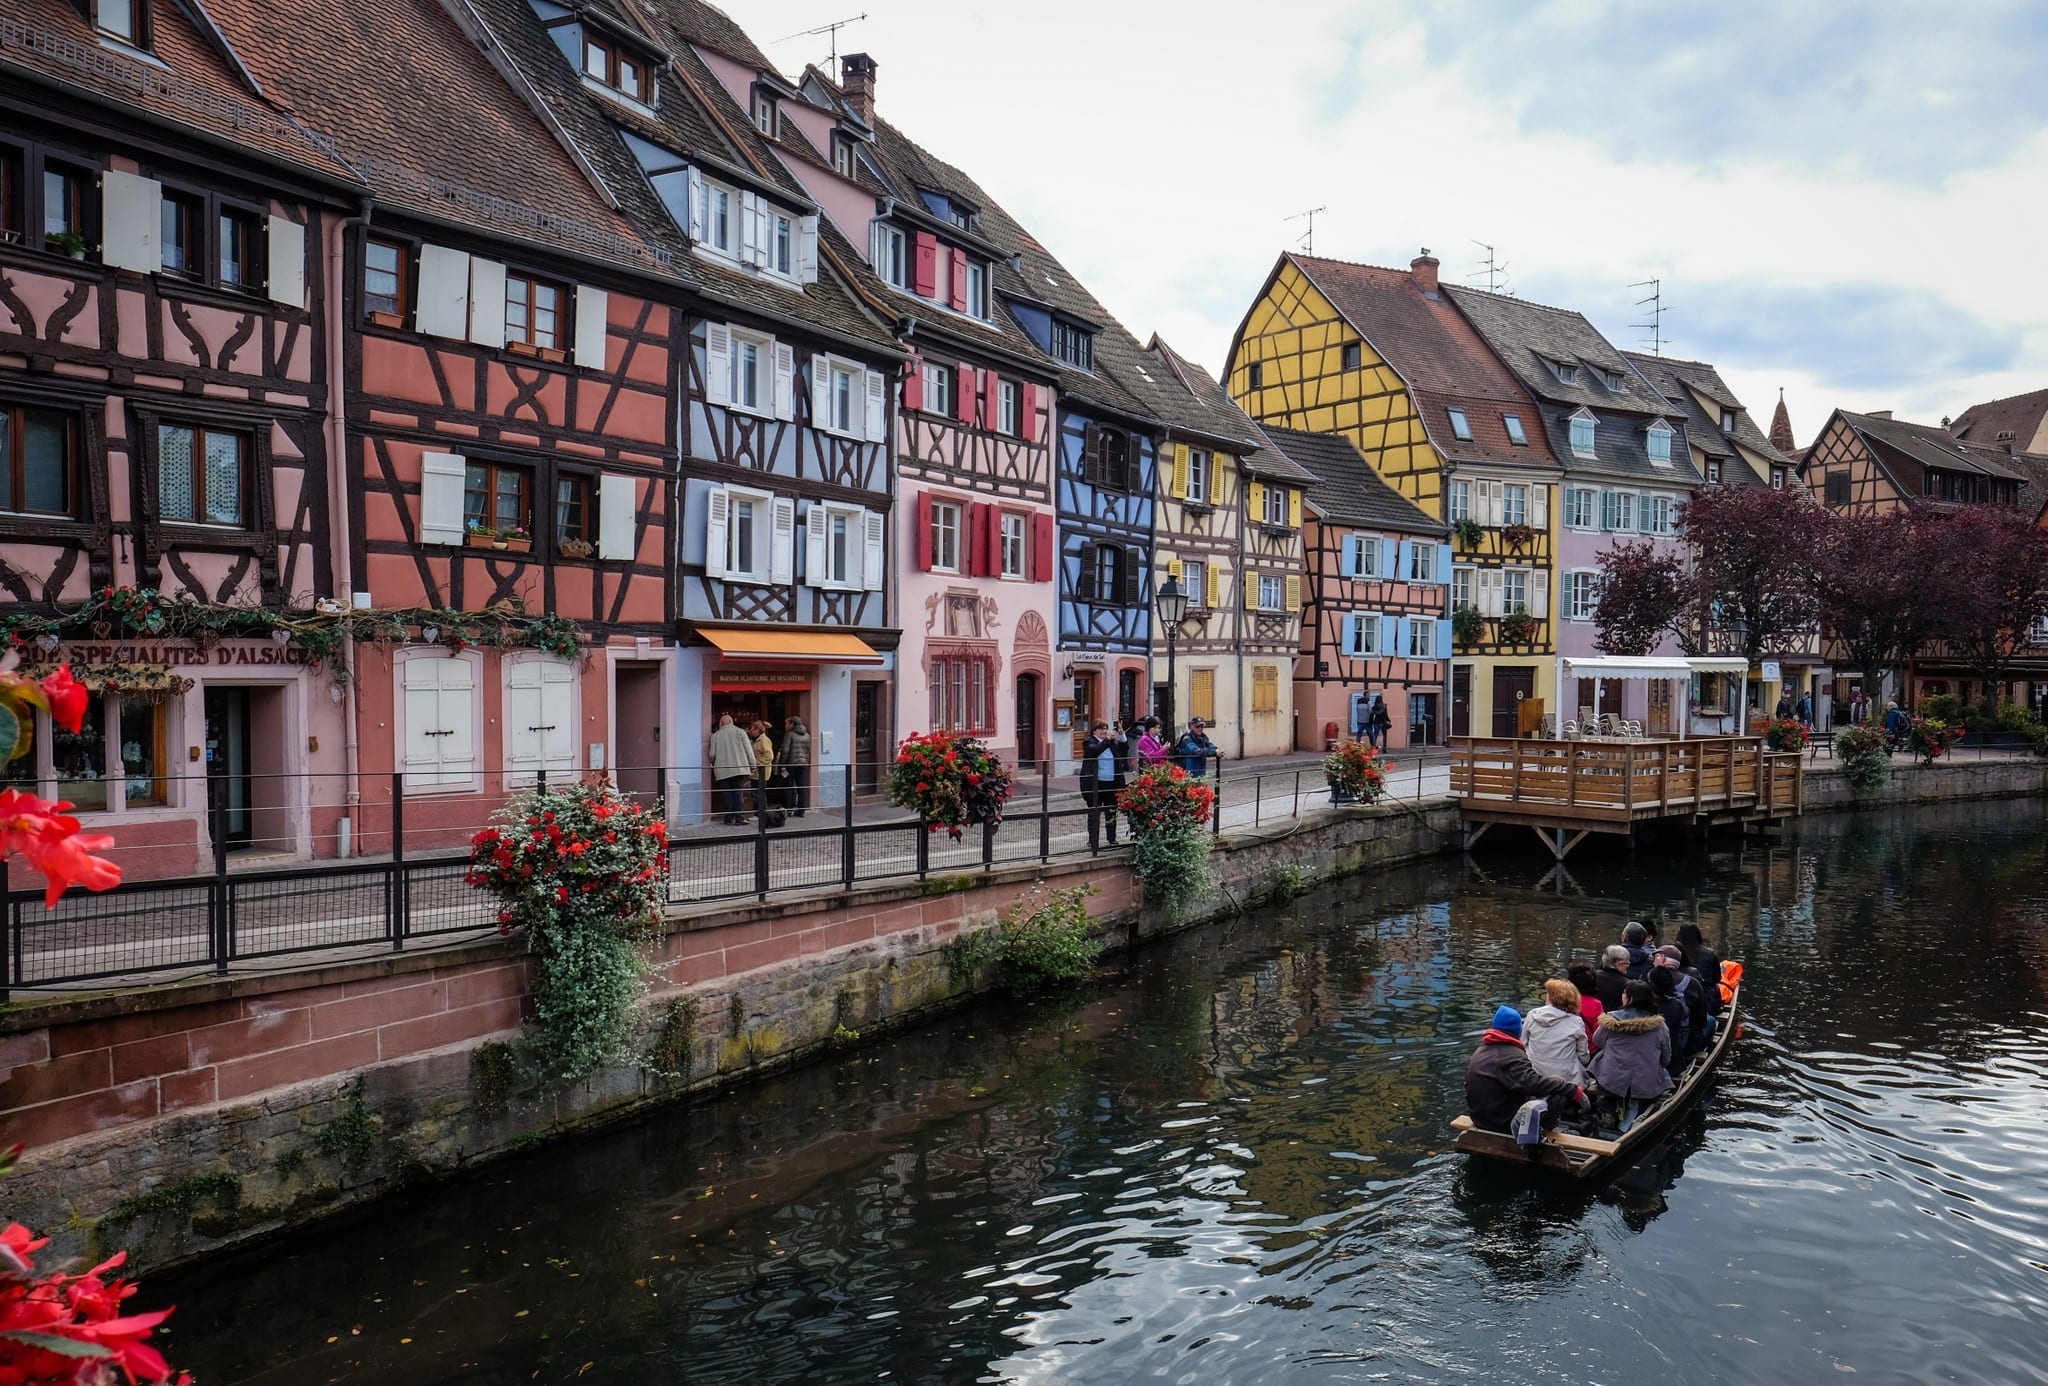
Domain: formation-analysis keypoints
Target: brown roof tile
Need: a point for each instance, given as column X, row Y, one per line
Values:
column 2021, row 420
column 1346, row 487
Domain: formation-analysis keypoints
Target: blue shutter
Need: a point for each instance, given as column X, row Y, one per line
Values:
column 1610, row 509
column 1403, row 563
column 1442, row 646
column 1402, row 627
column 1349, row 642
column 1358, row 714
column 1347, row 563
column 1389, row 635
column 1443, row 564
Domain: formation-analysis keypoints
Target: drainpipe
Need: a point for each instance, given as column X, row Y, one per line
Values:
column 341, row 542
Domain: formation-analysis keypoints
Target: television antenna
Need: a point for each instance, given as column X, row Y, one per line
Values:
column 833, row 30
column 1494, row 269
column 1308, row 240
column 1655, row 303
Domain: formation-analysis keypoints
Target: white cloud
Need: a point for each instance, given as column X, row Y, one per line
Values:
column 1157, row 149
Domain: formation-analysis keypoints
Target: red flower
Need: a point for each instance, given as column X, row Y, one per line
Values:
column 49, row 841
column 562, row 894
column 67, row 698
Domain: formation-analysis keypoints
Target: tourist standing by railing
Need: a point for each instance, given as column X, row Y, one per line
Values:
column 796, row 766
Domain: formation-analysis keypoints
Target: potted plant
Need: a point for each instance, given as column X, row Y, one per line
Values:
column 66, row 243
column 1931, row 738
column 1864, row 759
column 1357, row 773
column 1467, row 533
column 518, row 538
column 1518, row 537
column 1467, row 625
column 1784, row 734
column 574, row 547
column 481, row 536
column 1518, row 627
column 950, row 779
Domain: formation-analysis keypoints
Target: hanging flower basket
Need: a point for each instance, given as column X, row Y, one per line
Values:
column 1467, row 625
column 1931, row 738
column 952, row 780
column 1357, row 773
column 1467, row 533
column 1784, row 734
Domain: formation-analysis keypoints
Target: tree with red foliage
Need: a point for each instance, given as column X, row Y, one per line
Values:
column 1871, row 571
column 1753, row 567
column 1645, row 594
column 1987, row 588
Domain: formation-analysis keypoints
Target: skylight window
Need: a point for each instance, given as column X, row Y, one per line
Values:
column 1567, row 374
column 1461, row 428
column 1514, row 427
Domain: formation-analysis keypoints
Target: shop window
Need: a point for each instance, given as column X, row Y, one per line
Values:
column 114, row 761
column 497, row 497
column 38, row 460
column 202, row 474
column 11, row 217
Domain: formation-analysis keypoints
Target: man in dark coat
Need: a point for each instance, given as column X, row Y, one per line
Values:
column 1636, row 939
column 1614, row 975
column 1500, row 1078
column 1693, row 992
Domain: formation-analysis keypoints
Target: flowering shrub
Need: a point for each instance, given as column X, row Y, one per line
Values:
column 580, row 869
column 1864, row 759
column 1357, row 771
column 1169, row 817
column 1930, row 737
column 68, row 1330
column 951, row 779
column 1161, row 795
column 1784, row 734
column 38, row 831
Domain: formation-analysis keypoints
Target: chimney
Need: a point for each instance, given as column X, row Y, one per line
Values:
column 857, row 80
column 1880, row 413
column 1423, row 267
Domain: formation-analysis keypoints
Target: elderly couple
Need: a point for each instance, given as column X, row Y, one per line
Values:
column 742, row 758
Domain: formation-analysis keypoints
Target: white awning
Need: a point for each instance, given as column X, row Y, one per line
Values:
column 1719, row 664
column 1627, row 667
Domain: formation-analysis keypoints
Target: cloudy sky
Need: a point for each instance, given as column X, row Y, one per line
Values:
column 1845, row 200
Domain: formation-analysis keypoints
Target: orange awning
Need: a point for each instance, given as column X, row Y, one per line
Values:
column 809, row 646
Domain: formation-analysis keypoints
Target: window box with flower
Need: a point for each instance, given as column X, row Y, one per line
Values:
column 517, row 539
column 479, row 535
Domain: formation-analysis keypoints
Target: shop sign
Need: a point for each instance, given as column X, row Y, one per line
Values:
column 237, row 654
column 760, row 678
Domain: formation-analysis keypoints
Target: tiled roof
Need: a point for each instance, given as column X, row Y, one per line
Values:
column 1781, row 428
column 1923, row 445
column 2021, row 416
column 1188, row 398
column 194, row 87
column 696, row 22
column 1347, row 489
column 1435, row 350
column 1679, row 380
column 1529, row 336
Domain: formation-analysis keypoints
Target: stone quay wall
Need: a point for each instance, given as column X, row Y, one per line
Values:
column 184, row 1117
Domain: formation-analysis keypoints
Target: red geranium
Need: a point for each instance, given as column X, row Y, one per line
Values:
column 67, row 698
column 45, row 836
column 951, row 779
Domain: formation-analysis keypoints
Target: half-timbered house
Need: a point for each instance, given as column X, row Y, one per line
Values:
column 1383, row 357
column 1377, row 618
column 165, row 459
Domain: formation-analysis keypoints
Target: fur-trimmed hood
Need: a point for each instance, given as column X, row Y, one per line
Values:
column 1630, row 1023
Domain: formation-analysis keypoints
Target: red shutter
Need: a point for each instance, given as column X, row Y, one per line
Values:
column 1041, row 547
column 956, row 290
column 977, row 539
column 995, row 540
column 924, row 275
column 1029, row 409
column 966, row 394
column 913, row 384
column 924, row 531
column 991, row 400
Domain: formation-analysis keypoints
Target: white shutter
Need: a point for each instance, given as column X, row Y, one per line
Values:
column 459, row 750
column 717, row 363
column 1539, row 594
column 285, row 253
column 821, row 391
column 1496, row 502
column 1539, row 508
column 131, row 222
column 443, row 307
column 616, row 494
column 540, row 717
column 717, row 521
column 782, row 540
column 442, row 475
column 878, row 408
column 814, row 545
column 440, row 722
column 750, row 229
column 487, row 301
column 807, row 249
column 871, row 559
column 785, row 376
column 591, row 307
column 696, row 205
column 1490, row 591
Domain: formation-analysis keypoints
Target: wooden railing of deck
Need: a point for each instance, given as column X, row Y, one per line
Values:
column 1629, row 779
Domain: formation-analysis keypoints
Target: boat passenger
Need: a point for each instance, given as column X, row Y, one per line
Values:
column 1635, row 1047
column 1500, row 1078
column 1613, row 976
column 1636, row 939
column 1590, row 1006
column 1555, row 1034
column 1702, row 960
column 1699, row 1020
column 1677, row 1016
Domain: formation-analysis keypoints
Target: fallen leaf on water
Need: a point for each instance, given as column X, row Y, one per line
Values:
column 403, row 1341
column 335, row 1339
column 521, row 1314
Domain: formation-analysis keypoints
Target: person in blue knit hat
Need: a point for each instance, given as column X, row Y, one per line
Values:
column 1500, row 1078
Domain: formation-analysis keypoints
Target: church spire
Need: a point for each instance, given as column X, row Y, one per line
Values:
column 1781, row 426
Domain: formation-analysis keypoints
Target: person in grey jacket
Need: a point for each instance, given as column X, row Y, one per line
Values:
column 1635, row 1052
column 796, row 766
column 1555, row 1034
column 732, row 764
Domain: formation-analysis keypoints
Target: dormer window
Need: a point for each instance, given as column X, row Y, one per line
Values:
column 842, row 156
column 1461, row 427
column 715, row 218
column 1727, row 420
column 1073, row 345
column 1513, row 422
column 891, row 255
column 610, row 63
column 977, row 290
column 1616, row 383
column 126, row 20
column 1660, row 444
column 764, row 113
column 1567, row 374
column 1583, row 427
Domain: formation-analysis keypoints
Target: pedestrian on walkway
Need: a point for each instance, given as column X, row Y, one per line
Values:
column 1194, row 747
column 764, row 765
column 796, row 766
column 1102, row 778
column 1151, row 750
column 732, row 763
column 1806, row 710
column 1382, row 722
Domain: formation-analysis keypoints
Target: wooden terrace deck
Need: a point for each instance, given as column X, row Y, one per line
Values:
column 1566, row 790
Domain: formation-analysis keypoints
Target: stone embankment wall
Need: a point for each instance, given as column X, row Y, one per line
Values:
column 184, row 1117
column 1827, row 788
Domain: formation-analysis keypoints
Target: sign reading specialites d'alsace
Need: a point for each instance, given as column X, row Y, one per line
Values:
column 229, row 652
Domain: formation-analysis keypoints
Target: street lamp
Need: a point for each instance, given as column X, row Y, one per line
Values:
column 1172, row 605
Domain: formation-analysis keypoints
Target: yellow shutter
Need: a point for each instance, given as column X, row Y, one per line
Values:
column 1255, row 502
column 1294, row 509
column 1214, row 596
column 1294, row 591
column 1180, row 470
column 1251, row 591
column 1173, row 568
column 1215, row 478
column 1202, row 694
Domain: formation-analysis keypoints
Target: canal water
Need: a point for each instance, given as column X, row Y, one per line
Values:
column 1226, row 1164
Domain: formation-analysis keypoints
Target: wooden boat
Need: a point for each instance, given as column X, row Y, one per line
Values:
column 1585, row 1157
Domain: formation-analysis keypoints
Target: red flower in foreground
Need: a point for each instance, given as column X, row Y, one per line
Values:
column 58, row 1330
column 67, row 698
column 48, row 839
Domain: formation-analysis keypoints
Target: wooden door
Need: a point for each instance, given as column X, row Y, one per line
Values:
column 636, row 737
column 1461, row 700
column 1660, row 723
column 1512, row 685
column 867, row 738
column 1027, row 718
column 1087, row 706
